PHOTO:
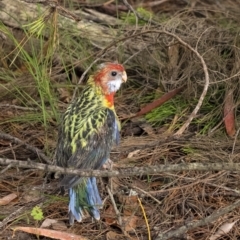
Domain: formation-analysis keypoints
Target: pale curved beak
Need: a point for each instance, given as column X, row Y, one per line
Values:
column 124, row 76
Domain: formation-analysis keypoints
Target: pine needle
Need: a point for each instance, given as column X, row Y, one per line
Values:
column 145, row 217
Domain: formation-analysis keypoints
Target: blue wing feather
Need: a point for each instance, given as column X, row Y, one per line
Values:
column 116, row 133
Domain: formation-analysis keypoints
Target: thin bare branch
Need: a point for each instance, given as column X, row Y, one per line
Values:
column 205, row 89
column 125, row 171
column 28, row 146
column 54, row 4
column 115, row 206
column 15, row 215
column 191, row 225
column 17, row 107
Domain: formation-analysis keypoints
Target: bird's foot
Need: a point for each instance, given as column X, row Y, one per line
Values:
column 108, row 164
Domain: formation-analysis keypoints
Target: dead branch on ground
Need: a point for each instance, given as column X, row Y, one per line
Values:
column 28, row 146
column 204, row 221
column 133, row 171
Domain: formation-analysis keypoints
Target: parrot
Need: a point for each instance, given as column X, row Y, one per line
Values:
column 87, row 132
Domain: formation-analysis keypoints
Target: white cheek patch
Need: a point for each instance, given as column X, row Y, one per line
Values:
column 113, row 86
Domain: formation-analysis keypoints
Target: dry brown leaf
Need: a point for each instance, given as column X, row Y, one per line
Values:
column 48, row 223
column 59, row 226
column 110, row 216
column 130, row 223
column 31, row 195
column 223, row 229
column 50, row 233
column 158, row 102
column 113, row 236
column 54, row 224
column 130, row 204
column 7, row 199
column 131, row 154
column 229, row 114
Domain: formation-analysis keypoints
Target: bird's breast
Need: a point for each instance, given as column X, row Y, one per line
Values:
column 109, row 100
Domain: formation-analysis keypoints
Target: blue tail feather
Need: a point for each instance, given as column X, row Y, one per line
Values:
column 93, row 199
column 84, row 197
column 98, row 200
column 74, row 211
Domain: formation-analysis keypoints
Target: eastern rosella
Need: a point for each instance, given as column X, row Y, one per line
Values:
column 88, row 130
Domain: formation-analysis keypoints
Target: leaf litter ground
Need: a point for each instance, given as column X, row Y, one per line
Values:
column 169, row 200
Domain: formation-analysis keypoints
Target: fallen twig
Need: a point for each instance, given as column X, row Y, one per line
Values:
column 54, row 4
column 204, row 92
column 191, row 225
column 28, row 146
column 17, row 107
column 14, row 215
column 133, row 171
column 115, row 206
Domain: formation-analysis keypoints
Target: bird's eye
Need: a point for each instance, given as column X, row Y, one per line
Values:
column 113, row 73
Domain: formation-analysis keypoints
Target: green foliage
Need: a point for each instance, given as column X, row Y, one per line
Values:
column 208, row 116
column 36, row 27
column 31, row 117
column 38, row 64
column 228, row 24
column 187, row 149
column 163, row 114
column 37, row 213
column 130, row 18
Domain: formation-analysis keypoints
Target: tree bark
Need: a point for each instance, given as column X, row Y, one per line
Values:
column 16, row 13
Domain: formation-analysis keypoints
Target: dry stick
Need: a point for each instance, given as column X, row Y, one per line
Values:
column 153, row 3
column 120, row 222
column 146, row 193
column 134, row 12
column 225, row 188
column 235, row 140
column 205, row 89
column 6, row 168
column 12, row 216
column 54, row 4
column 226, row 79
column 133, row 171
column 17, row 107
column 115, row 206
column 19, row 212
column 28, row 146
column 191, row 225
column 34, row 1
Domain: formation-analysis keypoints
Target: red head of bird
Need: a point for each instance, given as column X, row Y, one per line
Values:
column 109, row 77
